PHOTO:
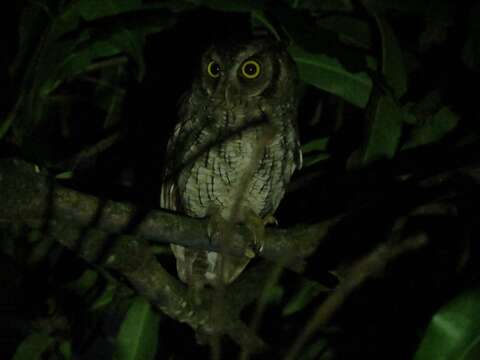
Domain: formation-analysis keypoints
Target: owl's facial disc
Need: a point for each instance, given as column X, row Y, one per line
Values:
column 236, row 74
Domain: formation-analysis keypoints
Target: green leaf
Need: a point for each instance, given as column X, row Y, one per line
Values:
column 65, row 349
column 93, row 9
column 8, row 120
column 471, row 49
column 412, row 7
column 317, row 350
column 384, row 129
column 315, row 145
column 122, row 33
column 275, row 294
column 317, row 151
column 323, row 59
column 84, row 32
column 307, row 292
column 392, row 64
column 77, row 62
column 437, row 25
column 433, row 130
column 106, row 297
column 322, row 6
column 64, row 175
column 330, row 75
column 40, row 250
column 351, row 30
column 259, row 19
column 33, row 347
column 138, row 335
column 115, row 108
column 32, row 23
column 311, row 160
column 233, row 5
column 84, row 283
column 454, row 331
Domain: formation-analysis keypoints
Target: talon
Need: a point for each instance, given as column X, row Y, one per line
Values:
column 216, row 227
column 270, row 220
column 249, row 253
column 256, row 225
column 260, row 246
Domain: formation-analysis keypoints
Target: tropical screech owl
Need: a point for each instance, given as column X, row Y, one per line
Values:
column 234, row 148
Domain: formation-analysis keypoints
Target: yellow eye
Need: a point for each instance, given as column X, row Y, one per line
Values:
column 213, row 69
column 251, row 69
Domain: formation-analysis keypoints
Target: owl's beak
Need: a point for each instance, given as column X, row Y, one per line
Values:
column 228, row 97
column 225, row 94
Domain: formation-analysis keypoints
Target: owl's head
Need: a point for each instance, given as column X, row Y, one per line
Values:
column 237, row 72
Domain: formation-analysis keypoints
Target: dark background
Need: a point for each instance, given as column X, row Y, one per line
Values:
column 386, row 318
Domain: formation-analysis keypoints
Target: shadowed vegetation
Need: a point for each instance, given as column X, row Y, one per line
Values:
column 376, row 252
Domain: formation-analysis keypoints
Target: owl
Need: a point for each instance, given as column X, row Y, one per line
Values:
column 234, row 149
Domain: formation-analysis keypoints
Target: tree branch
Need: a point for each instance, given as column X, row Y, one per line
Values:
column 359, row 272
column 28, row 195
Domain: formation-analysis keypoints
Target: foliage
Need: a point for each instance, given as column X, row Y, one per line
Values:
column 137, row 337
column 376, row 91
column 454, row 330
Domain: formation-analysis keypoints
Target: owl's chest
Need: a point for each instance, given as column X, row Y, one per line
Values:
column 235, row 175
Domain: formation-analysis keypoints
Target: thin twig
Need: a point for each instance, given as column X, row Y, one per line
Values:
column 357, row 275
column 120, row 60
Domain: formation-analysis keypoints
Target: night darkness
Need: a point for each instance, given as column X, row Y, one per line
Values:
column 91, row 97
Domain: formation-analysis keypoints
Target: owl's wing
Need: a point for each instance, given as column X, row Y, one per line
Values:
column 298, row 155
column 297, row 151
column 169, row 197
column 168, row 194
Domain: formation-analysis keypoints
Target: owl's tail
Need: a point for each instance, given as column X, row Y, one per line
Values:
column 198, row 267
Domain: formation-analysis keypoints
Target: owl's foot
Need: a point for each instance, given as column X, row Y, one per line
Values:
column 225, row 267
column 256, row 225
column 194, row 295
column 218, row 229
column 270, row 220
column 215, row 222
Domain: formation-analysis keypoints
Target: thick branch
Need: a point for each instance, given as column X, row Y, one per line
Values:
column 27, row 196
column 132, row 258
